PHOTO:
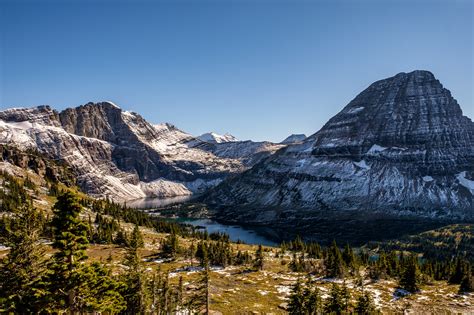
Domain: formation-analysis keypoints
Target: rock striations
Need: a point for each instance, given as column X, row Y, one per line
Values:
column 116, row 153
column 401, row 147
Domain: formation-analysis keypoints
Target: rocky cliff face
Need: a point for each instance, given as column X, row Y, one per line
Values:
column 402, row 147
column 116, row 153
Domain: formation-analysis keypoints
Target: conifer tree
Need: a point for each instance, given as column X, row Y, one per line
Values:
column 201, row 253
column 313, row 302
column 136, row 239
column 70, row 241
column 409, row 279
column 334, row 303
column 259, row 259
column 365, row 305
column 23, row 270
column 134, row 290
column 170, row 246
column 459, row 271
column 467, row 282
column 296, row 303
column 334, row 262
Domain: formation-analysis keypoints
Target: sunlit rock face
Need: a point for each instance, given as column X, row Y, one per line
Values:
column 401, row 147
column 116, row 153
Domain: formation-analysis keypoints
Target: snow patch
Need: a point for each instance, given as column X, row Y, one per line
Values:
column 212, row 137
column 376, row 149
column 469, row 184
column 427, row 179
column 355, row 110
column 362, row 164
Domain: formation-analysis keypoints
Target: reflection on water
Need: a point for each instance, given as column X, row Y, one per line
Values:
column 235, row 232
column 147, row 203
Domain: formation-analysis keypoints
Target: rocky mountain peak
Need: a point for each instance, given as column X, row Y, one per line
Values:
column 41, row 114
column 407, row 110
column 294, row 138
column 213, row 137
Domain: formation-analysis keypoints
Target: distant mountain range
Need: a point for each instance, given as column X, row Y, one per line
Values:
column 118, row 154
column 401, row 147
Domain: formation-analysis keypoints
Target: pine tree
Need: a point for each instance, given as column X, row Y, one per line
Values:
column 313, row 302
column 458, row 272
column 201, row 253
column 349, row 257
column 345, row 297
column 334, row 303
column 134, row 290
column 410, row 276
column 364, row 305
column 170, row 246
column 136, row 239
column 23, row 270
column 467, row 282
column 70, row 241
column 334, row 262
column 259, row 259
column 296, row 303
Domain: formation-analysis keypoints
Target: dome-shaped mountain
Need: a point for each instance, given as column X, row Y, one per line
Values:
column 401, row 147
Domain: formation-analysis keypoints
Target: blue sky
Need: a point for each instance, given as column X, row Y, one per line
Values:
column 258, row 69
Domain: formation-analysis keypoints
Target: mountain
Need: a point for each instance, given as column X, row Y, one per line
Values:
column 212, row 137
column 247, row 152
column 401, row 148
column 116, row 153
column 294, row 138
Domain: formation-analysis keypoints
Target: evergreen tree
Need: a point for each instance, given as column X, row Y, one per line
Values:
column 259, row 259
column 335, row 303
column 364, row 305
column 349, row 257
column 170, row 246
column 70, row 241
column 134, row 291
column 136, row 239
column 409, row 279
column 459, row 271
column 297, row 300
column 313, row 302
column 467, row 282
column 201, row 253
column 23, row 270
column 334, row 262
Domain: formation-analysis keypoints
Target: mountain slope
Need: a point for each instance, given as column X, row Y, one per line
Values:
column 401, row 147
column 116, row 153
column 294, row 138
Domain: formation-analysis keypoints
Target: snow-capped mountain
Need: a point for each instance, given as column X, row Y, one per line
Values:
column 248, row 152
column 116, row 153
column 294, row 138
column 212, row 137
column 401, row 147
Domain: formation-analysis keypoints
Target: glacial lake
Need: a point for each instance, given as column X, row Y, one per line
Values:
column 246, row 234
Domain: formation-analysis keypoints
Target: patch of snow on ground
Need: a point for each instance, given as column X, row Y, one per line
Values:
column 362, row 164
column 469, row 184
column 427, row 179
column 376, row 149
column 355, row 110
column 283, row 289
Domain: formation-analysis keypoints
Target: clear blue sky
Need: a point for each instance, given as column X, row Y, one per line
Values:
column 258, row 69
